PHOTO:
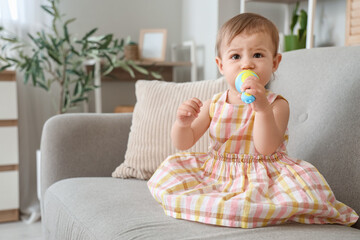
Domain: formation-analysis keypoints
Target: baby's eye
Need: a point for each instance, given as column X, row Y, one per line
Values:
column 258, row 55
column 235, row 56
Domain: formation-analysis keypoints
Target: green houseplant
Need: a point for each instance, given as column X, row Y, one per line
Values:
column 296, row 41
column 55, row 56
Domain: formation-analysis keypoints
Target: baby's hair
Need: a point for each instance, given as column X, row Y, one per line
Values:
column 248, row 23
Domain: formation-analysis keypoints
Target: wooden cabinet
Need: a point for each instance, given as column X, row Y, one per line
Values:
column 9, row 148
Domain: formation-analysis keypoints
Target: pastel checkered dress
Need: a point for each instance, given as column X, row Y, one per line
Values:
column 233, row 185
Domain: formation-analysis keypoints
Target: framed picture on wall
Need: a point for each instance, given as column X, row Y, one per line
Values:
column 152, row 44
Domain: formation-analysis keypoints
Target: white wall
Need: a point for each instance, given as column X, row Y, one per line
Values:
column 124, row 18
column 196, row 20
column 330, row 23
column 199, row 23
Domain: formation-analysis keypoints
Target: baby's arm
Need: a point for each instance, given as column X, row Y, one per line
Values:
column 192, row 121
column 270, row 126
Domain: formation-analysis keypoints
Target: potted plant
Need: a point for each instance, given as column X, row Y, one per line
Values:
column 298, row 41
column 131, row 51
column 56, row 57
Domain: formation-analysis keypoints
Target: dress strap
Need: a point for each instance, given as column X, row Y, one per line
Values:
column 214, row 100
column 271, row 96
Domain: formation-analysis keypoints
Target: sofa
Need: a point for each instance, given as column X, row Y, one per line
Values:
column 92, row 188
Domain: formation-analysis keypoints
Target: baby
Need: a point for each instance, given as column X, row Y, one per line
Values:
column 246, row 179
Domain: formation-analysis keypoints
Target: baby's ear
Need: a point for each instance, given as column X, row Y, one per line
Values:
column 219, row 64
column 276, row 61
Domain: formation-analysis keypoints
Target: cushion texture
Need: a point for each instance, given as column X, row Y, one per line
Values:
column 108, row 208
column 155, row 111
column 322, row 87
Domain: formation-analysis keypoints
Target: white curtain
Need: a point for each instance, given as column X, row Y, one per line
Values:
column 22, row 17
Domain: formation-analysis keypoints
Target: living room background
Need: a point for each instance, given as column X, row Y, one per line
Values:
column 196, row 20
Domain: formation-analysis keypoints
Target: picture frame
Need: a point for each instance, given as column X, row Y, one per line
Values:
column 152, row 44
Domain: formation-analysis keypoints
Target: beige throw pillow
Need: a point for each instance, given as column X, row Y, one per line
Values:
column 155, row 111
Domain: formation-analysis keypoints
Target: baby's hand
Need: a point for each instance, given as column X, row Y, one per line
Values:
column 188, row 112
column 253, row 86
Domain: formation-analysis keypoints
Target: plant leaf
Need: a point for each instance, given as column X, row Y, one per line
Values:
column 78, row 88
column 5, row 67
column 303, row 19
column 66, row 33
column 138, row 68
column 26, row 77
column 42, row 85
column 156, row 75
column 80, row 99
column 54, row 56
column 48, row 10
column 108, row 70
column 70, row 21
column 87, row 35
column 124, row 66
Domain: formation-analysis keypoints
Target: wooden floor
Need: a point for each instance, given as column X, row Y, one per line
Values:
column 20, row 231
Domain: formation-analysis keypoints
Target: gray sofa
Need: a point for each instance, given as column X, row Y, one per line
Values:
column 79, row 152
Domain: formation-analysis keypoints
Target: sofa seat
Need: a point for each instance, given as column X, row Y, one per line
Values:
column 107, row 208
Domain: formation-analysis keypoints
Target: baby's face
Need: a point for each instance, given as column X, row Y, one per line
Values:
column 248, row 51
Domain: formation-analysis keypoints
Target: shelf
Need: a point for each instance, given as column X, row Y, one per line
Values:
column 165, row 64
column 7, row 76
column 276, row 1
column 166, row 70
column 310, row 12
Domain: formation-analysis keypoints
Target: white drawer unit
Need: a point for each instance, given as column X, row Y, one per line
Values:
column 9, row 148
column 9, row 181
column 8, row 100
column 9, row 153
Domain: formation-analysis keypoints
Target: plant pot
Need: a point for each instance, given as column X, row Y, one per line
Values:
column 292, row 42
column 131, row 52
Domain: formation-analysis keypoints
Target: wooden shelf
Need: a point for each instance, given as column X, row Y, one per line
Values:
column 276, row 1
column 163, row 64
column 124, row 109
column 164, row 68
column 7, row 76
column 4, row 168
column 8, row 123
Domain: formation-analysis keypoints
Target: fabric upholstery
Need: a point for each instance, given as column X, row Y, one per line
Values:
column 117, row 209
column 78, row 145
column 322, row 86
column 155, row 111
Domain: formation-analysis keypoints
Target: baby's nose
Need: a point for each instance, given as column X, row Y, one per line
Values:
column 247, row 64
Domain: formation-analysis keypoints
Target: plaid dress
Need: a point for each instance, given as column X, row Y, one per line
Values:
column 233, row 185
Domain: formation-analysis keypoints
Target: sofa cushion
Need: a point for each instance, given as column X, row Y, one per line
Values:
column 108, row 208
column 322, row 87
column 155, row 110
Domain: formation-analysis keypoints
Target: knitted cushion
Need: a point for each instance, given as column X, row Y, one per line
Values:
column 155, row 111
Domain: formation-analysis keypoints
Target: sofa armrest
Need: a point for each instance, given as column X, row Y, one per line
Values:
column 82, row 145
